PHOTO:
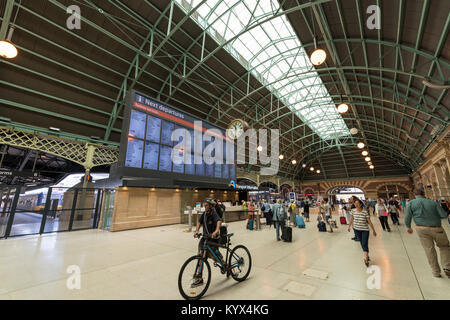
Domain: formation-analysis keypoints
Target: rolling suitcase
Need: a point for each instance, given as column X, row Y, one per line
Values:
column 286, row 233
column 300, row 222
column 343, row 220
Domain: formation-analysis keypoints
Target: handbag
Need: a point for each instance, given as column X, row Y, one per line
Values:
column 384, row 213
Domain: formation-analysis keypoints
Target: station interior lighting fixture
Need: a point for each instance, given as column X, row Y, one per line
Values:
column 7, row 49
column 281, row 157
column 372, row 167
column 294, row 161
column 342, row 108
column 360, row 145
column 367, row 159
column 312, row 168
column 369, row 163
column 304, row 165
column 365, row 153
column 318, row 171
column 55, row 129
column 260, row 148
column 318, row 57
column 354, row 131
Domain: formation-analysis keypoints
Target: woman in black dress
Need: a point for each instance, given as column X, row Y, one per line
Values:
column 306, row 211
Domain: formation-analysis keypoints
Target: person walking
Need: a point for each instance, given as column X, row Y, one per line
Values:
column 360, row 221
column 265, row 208
column 292, row 214
column 306, row 210
column 382, row 213
column 279, row 217
column 326, row 213
column 427, row 216
column 393, row 210
column 251, row 215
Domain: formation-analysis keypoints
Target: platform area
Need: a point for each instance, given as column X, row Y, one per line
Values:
column 144, row 264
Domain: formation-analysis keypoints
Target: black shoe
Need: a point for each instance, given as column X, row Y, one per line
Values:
column 389, row 230
column 354, row 238
column 198, row 282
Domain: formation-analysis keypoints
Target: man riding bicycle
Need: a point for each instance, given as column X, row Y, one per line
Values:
column 211, row 227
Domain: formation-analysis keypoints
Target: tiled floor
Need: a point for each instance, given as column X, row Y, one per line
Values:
column 144, row 264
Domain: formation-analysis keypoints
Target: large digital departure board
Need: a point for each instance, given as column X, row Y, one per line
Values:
column 167, row 146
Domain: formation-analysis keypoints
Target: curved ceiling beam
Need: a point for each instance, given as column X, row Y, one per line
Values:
column 296, row 75
column 246, row 29
column 312, row 156
column 377, row 144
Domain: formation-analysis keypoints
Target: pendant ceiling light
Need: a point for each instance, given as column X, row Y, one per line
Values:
column 360, row 145
column 7, row 49
column 318, row 56
column 354, row 131
column 281, row 157
column 367, row 159
column 312, row 168
column 294, row 161
column 365, row 153
column 342, row 108
column 318, row 171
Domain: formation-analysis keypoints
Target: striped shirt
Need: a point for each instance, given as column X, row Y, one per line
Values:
column 360, row 220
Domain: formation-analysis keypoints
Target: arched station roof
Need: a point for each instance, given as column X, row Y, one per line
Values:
column 227, row 59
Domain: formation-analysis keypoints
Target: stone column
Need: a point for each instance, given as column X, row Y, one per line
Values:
column 443, row 189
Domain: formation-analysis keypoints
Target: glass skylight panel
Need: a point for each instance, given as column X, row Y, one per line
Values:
column 274, row 55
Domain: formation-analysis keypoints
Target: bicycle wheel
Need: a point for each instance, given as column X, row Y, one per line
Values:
column 241, row 263
column 186, row 279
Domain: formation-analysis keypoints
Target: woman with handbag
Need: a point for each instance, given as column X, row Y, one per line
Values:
column 382, row 213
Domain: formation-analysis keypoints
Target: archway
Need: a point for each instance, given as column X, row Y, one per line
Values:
column 284, row 191
column 245, row 182
column 272, row 186
column 342, row 193
column 398, row 191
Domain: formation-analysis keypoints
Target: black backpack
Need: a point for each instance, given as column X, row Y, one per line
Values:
column 322, row 226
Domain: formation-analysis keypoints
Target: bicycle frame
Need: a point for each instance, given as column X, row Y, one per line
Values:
column 207, row 247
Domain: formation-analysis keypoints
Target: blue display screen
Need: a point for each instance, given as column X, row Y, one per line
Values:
column 149, row 146
column 166, row 133
column 153, row 129
column 135, row 151
column 137, row 124
column 151, row 156
column 165, row 161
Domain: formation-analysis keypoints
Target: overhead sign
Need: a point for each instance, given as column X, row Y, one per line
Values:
column 25, row 174
column 243, row 187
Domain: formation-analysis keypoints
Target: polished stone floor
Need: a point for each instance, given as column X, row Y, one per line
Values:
column 144, row 264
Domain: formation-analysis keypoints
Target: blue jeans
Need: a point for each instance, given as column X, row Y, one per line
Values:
column 278, row 225
column 363, row 237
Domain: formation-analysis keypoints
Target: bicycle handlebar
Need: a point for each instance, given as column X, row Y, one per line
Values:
column 199, row 235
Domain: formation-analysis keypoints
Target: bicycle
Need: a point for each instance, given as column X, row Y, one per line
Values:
column 238, row 267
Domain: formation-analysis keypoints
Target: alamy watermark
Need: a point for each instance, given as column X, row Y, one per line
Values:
column 374, row 280
column 374, row 20
column 189, row 150
column 74, row 20
column 74, row 280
